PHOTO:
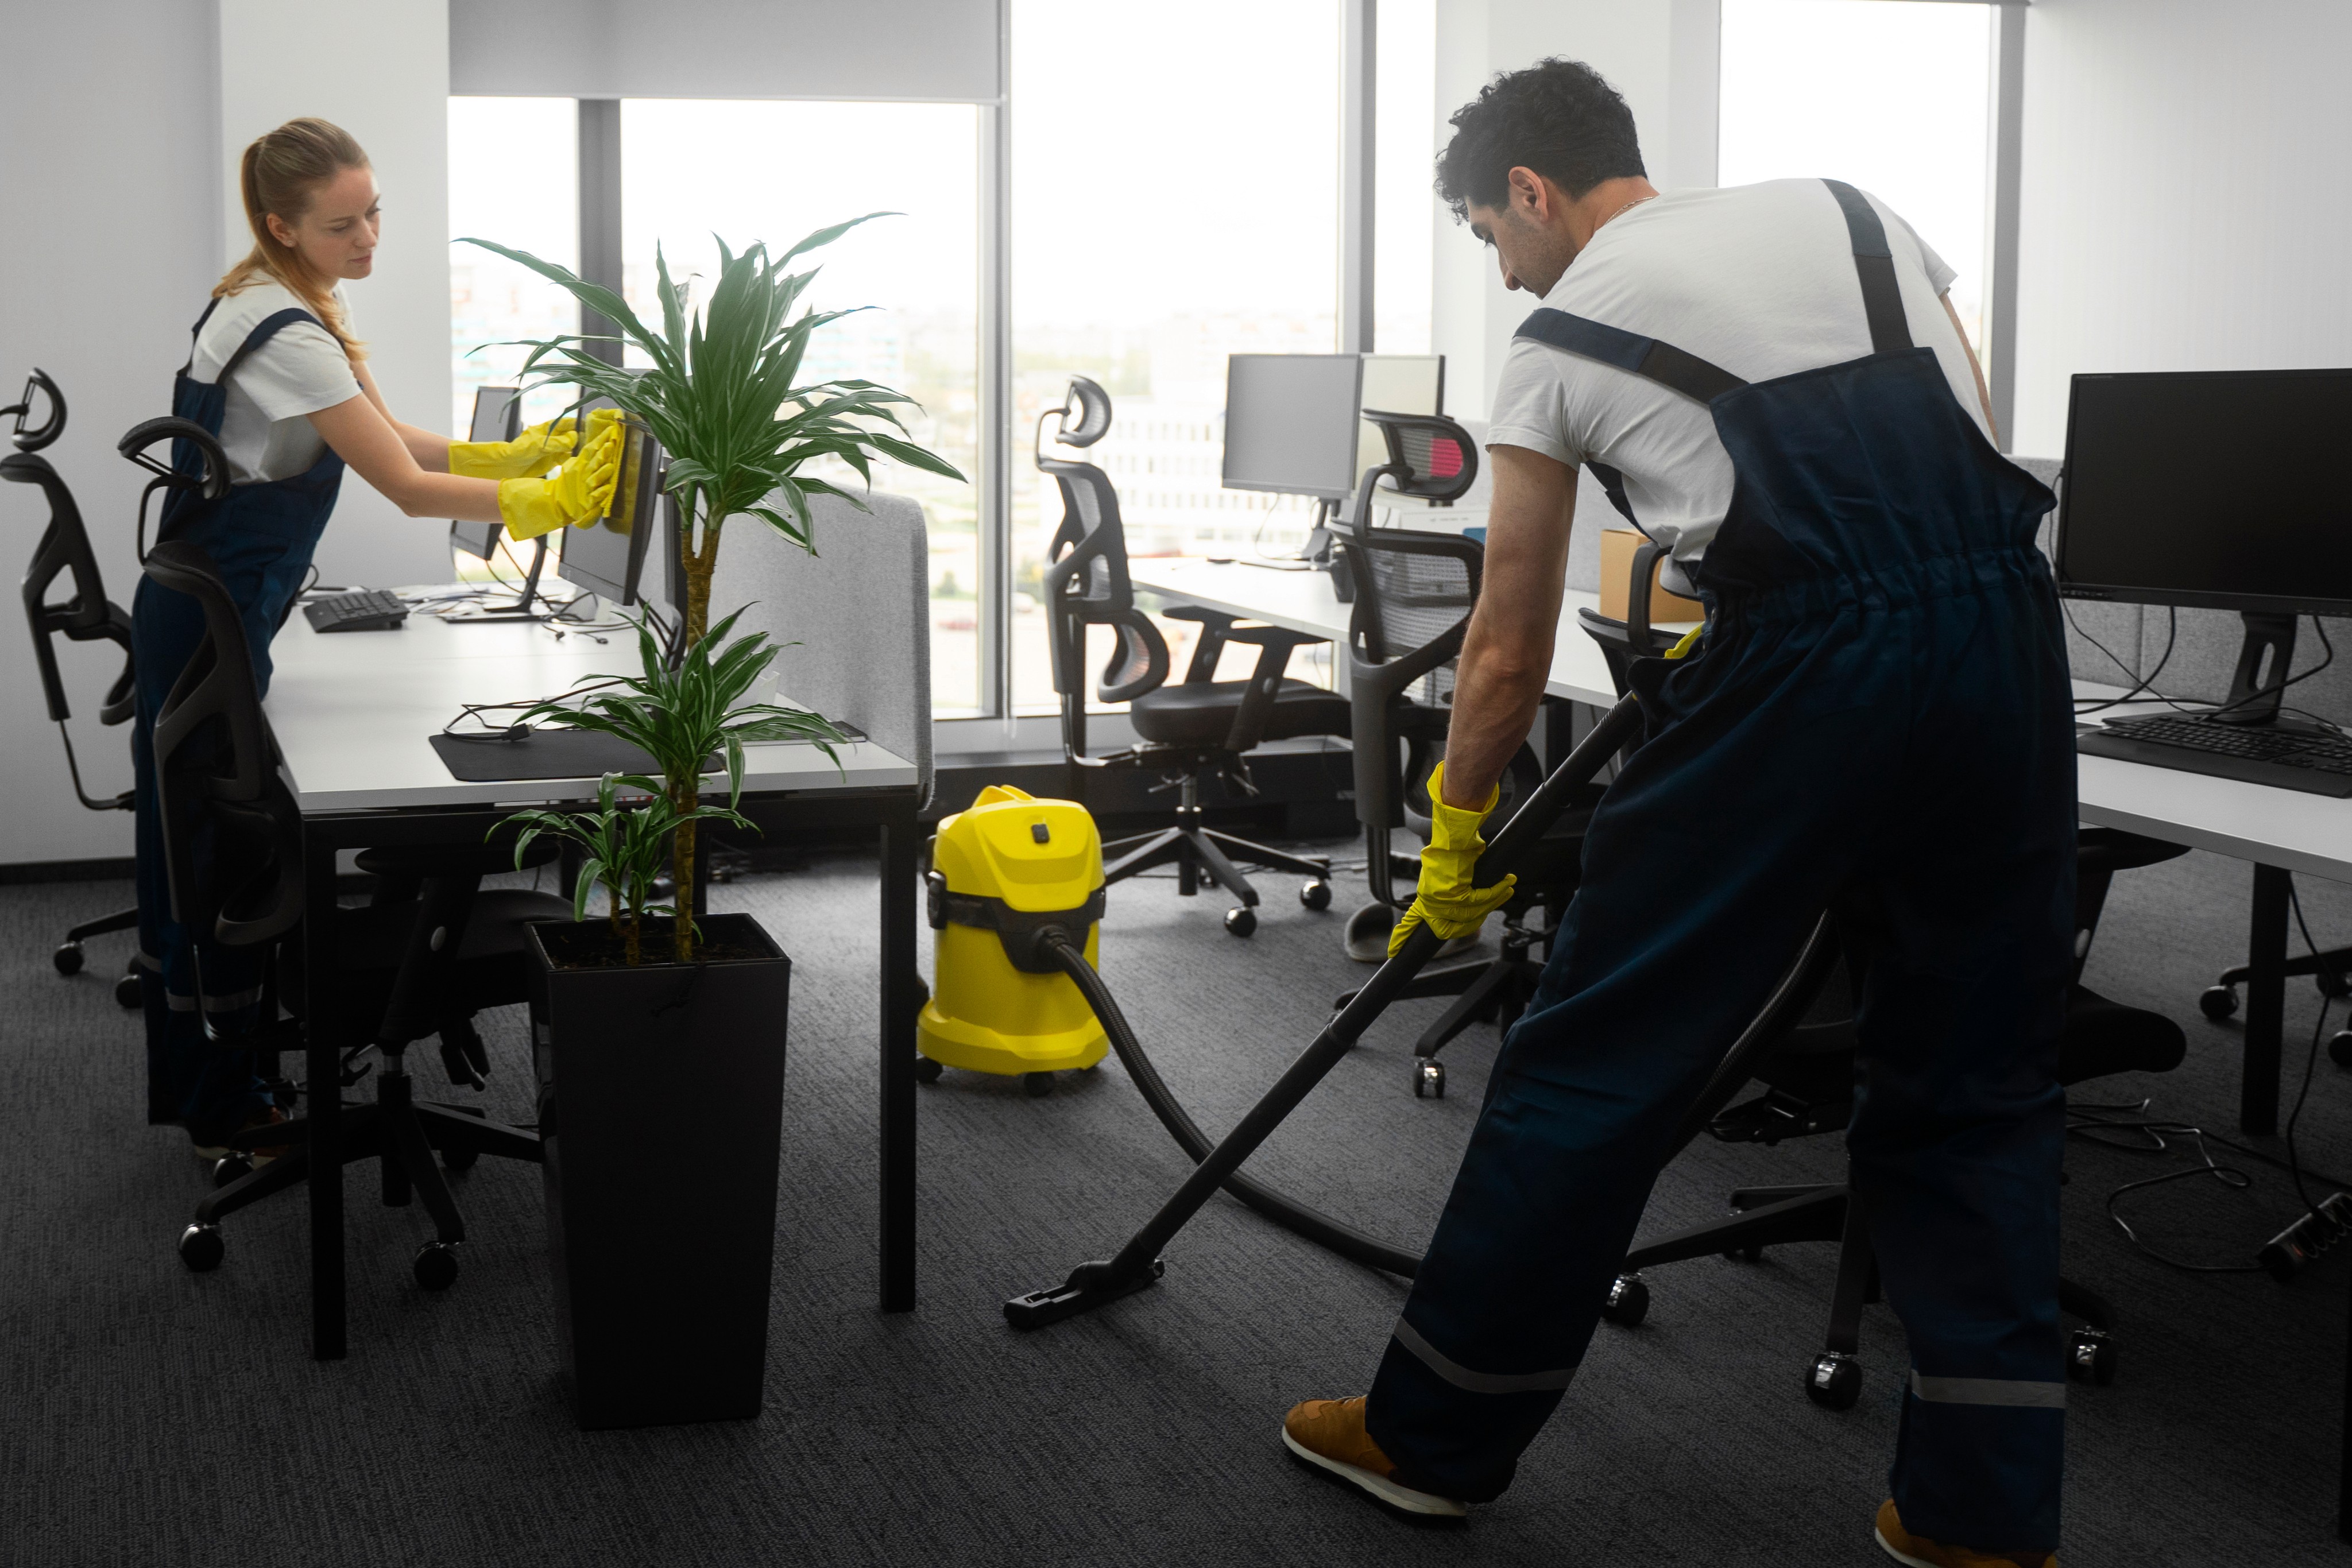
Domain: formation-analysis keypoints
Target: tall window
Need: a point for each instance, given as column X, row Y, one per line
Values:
column 774, row 172
column 1404, row 174
column 492, row 301
column 1175, row 200
column 1894, row 96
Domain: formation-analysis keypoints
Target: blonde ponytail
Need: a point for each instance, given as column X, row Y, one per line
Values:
column 281, row 172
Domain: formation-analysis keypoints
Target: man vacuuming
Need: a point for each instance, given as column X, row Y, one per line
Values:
column 1877, row 722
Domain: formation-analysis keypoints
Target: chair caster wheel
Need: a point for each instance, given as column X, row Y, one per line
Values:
column 1037, row 1085
column 1628, row 1302
column 1429, row 1079
column 129, row 993
column 201, row 1248
column 459, row 1158
column 436, row 1266
column 2218, row 1002
column 2339, row 1048
column 1316, row 894
column 1241, row 920
column 229, row 1168
column 2091, row 1358
column 68, row 958
column 1834, row 1382
column 1744, row 1254
column 926, row 1070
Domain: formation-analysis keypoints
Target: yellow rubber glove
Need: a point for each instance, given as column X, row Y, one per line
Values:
column 530, row 454
column 1446, row 900
column 579, row 491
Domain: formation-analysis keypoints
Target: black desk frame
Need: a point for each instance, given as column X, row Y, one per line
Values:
column 889, row 809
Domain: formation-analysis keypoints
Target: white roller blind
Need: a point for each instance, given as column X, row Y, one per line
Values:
column 903, row 51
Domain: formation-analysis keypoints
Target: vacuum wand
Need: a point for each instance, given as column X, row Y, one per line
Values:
column 1139, row 1263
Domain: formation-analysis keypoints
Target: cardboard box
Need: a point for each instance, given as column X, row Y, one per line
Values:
column 1617, row 547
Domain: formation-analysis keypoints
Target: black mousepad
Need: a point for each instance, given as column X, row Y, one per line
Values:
column 557, row 754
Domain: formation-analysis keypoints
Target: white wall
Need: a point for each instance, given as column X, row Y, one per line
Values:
column 2185, row 170
column 1661, row 54
column 122, row 213
column 113, row 221
column 379, row 69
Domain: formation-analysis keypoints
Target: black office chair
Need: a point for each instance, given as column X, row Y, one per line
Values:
column 1414, row 592
column 1199, row 727
column 88, row 616
column 404, row 966
column 1808, row 1085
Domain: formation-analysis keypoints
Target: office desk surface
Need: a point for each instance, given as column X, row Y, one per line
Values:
column 2281, row 828
column 352, row 711
column 1303, row 602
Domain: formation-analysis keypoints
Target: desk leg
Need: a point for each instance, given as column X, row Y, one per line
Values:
column 2258, row 1092
column 322, row 1074
column 2344, row 1456
column 897, row 1033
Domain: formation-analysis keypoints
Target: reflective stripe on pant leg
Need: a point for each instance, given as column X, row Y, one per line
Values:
column 1462, row 1378
column 2024, row 1392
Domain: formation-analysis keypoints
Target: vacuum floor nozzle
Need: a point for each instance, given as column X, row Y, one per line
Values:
column 1090, row 1285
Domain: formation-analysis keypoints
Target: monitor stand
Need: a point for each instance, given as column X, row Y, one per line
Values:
column 2255, row 699
column 523, row 607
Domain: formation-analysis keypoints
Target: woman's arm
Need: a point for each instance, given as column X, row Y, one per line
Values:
column 382, row 454
column 431, row 451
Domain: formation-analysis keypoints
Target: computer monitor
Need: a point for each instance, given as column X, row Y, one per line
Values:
column 1397, row 383
column 2224, row 489
column 609, row 557
column 497, row 416
column 1291, row 423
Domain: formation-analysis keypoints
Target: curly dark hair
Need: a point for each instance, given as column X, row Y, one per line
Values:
column 1558, row 116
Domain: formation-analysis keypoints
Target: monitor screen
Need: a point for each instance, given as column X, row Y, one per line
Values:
column 1397, row 383
column 608, row 556
column 497, row 416
column 1291, row 423
column 2226, row 489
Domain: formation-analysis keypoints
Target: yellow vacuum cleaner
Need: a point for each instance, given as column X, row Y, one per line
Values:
column 1004, row 872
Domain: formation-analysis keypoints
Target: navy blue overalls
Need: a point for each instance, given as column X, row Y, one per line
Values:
column 260, row 537
column 1878, row 723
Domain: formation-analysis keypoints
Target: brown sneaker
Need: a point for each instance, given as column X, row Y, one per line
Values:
column 1329, row 1434
column 1921, row 1552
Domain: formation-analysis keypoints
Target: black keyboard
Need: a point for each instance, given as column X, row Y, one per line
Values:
column 2310, row 760
column 368, row 609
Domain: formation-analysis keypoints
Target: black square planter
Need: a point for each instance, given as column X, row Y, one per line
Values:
column 661, row 1109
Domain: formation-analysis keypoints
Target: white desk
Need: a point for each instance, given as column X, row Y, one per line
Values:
column 2277, row 830
column 353, row 712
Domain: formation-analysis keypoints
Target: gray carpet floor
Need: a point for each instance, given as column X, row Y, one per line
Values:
column 152, row 1415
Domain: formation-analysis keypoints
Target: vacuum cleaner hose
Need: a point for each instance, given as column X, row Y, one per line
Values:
column 1288, row 1213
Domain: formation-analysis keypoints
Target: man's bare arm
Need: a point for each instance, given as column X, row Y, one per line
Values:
column 1507, row 652
column 1984, row 397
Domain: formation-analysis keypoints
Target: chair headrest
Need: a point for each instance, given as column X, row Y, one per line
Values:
column 1090, row 405
column 1430, row 456
column 197, row 461
column 39, row 389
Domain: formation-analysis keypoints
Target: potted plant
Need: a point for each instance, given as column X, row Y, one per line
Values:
column 661, row 1078
column 719, row 395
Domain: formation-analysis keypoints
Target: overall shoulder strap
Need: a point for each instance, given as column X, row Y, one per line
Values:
column 1646, row 357
column 268, row 328
column 197, row 332
column 1874, row 261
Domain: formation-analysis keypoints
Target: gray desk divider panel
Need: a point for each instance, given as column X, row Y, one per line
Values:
column 859, row 609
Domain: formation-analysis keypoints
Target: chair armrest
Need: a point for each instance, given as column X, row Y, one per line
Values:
column 1216, row 626
column 1273, row 644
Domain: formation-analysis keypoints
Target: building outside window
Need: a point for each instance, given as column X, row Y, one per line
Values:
column 493, row 301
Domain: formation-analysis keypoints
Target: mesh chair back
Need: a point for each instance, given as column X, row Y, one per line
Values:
column 1087, row 583
column 85, row 615
column 1430, row 456
column 232, row 832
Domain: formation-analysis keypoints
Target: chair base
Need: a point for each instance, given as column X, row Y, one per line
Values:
column 398, row 1130
column 1776, row 1216
column 1203, row 856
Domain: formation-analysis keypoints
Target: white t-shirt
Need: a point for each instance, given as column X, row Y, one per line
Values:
column 302, row 370
column 1758, row 279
